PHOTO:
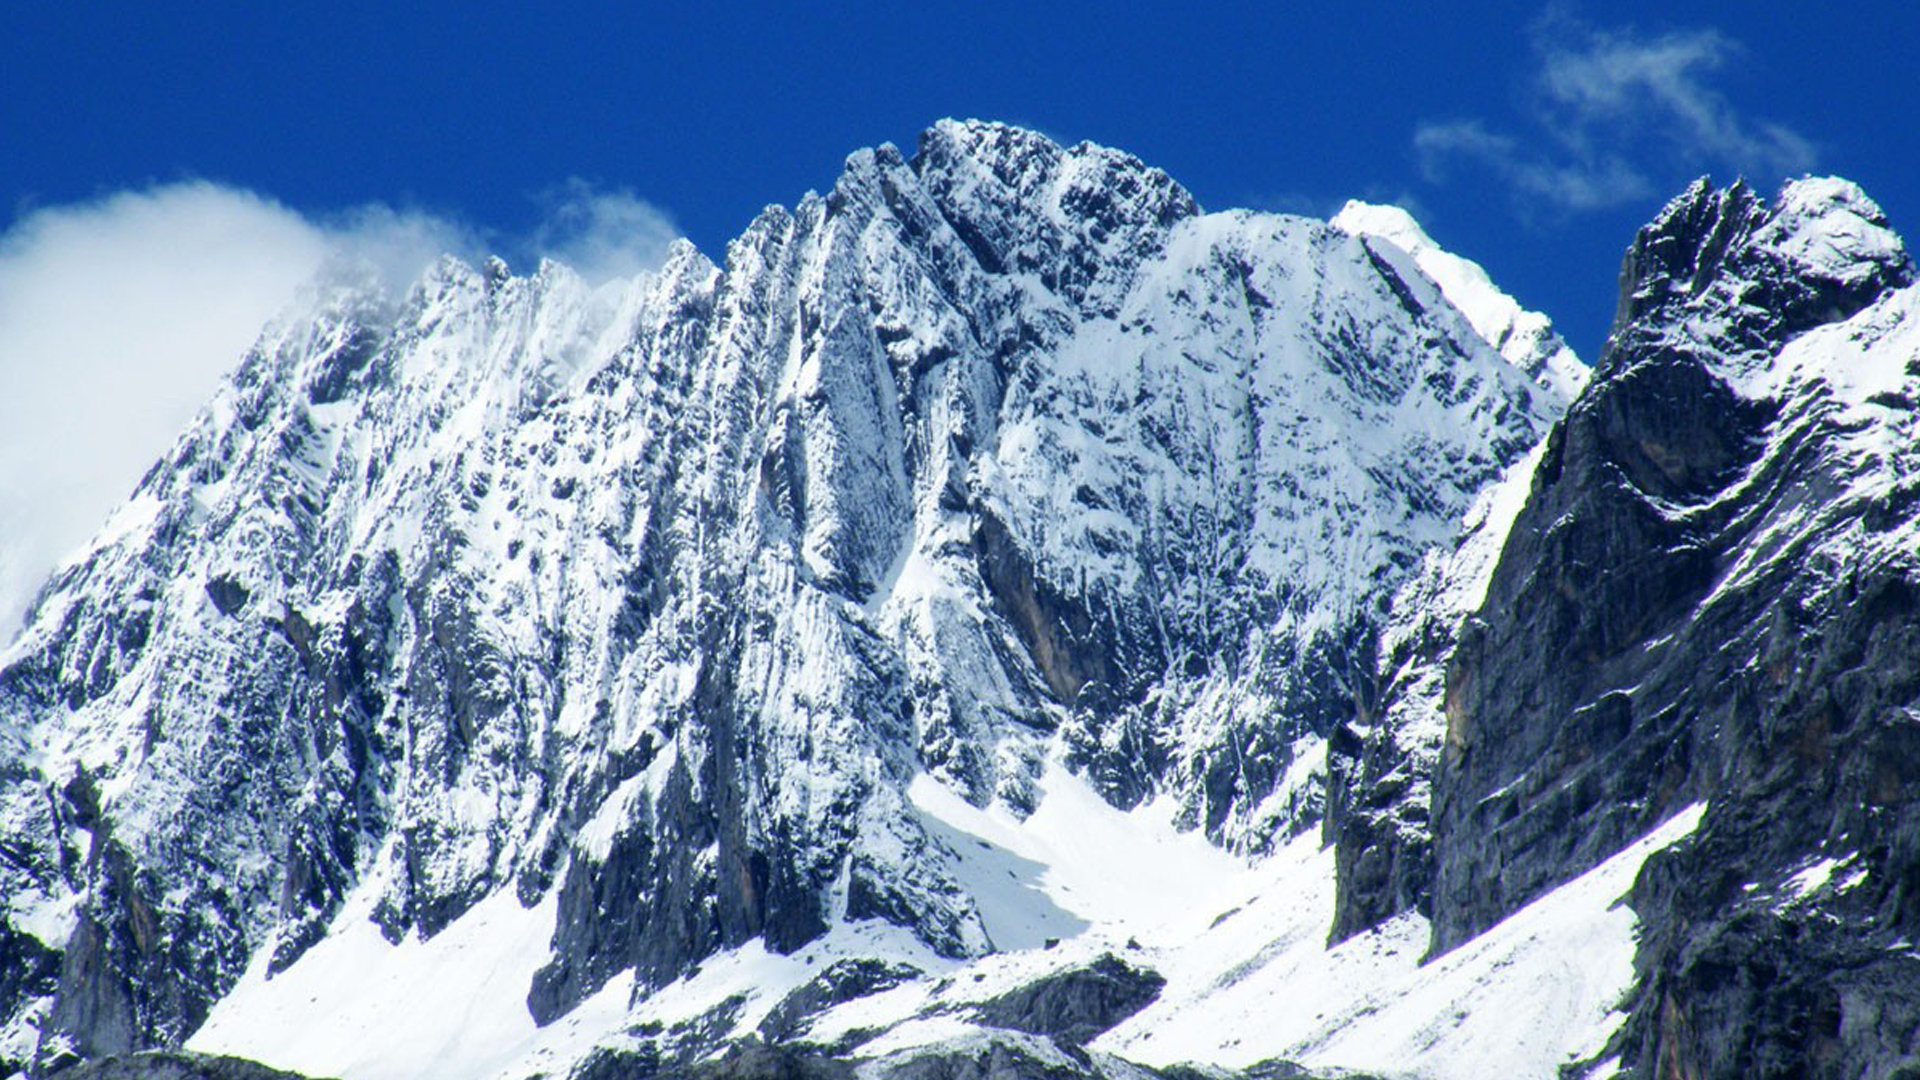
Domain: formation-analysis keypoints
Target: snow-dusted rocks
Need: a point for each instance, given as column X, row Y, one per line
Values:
column 930, row 640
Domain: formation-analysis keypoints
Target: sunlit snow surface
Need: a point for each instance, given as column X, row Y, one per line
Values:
column 1526, row 338
column 1533, row 993
column 1241, row 944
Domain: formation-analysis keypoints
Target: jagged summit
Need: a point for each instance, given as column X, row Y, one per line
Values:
column 1719, row 543
column 1525, row 338
column 648, row 602
column 1029, row 163
column 1721, row 264
column 1709, row 386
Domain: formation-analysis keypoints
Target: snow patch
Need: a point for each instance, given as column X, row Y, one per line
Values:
column 358, row 1007
column 1533, row 993
column 49, row 919
column 1076, row 854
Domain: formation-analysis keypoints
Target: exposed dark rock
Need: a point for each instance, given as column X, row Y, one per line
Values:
column 997, row 1059
column 758, row 1061
column 1075, row 1005
column 1378, row 814
column 1539, row 778
column 1761, row 982
column 1703, row 599
column 1061, row 639
column 1568, row 733
column 227, row 594
column 129, row 977
column 1005, row 1058
column 596, row 926
column 641, row 1062
column 842, row 982
column 174, row 1065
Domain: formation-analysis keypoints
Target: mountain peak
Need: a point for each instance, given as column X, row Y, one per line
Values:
column 1680, row 250
column 1526, row 338
column 1721, row 265
column 990, row 136
column 1386, row 221
column 1830, row 229
column 1030, row 162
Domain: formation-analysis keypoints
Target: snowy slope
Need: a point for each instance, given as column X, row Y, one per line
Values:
column 1241, row 944
column 1538, row 991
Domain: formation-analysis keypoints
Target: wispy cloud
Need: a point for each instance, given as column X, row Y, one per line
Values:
column 602, row 233
column 118, row 316
column 1612, row 116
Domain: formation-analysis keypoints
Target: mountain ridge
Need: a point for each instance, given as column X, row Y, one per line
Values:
column 812, row 607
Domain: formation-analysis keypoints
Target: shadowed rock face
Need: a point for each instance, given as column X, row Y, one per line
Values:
column 1712, row 594
column 1077, row 1004
column 1379, row 786
column 1550, row 764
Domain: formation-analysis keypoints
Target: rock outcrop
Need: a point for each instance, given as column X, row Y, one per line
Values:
column 1710, row 595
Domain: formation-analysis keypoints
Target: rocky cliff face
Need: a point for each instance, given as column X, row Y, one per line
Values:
column 650, row 602
column 1709, row 595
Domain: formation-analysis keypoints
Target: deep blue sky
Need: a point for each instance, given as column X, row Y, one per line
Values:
column 712, row 111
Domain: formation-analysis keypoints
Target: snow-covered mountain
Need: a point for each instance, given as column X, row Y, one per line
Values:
column 1692, row 603
column 1004, row 618
column 649, row 604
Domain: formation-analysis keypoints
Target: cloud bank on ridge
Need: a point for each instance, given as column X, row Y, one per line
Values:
column 118, row 317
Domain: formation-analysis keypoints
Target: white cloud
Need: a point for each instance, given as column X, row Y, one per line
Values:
column 118, row 317
column 1573, row 183
column 1617, row 116
column 602, row 234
